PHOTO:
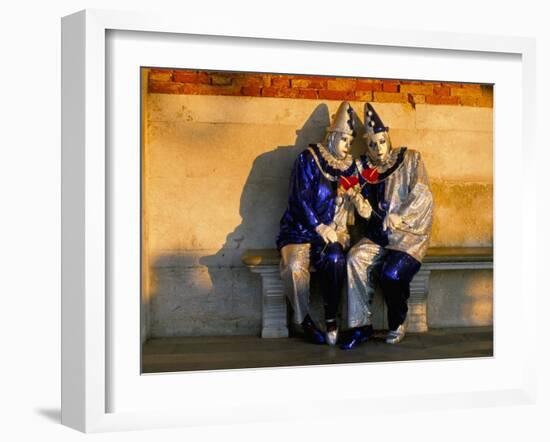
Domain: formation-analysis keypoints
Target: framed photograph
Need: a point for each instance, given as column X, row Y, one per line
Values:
column 218, row 148
column 178, row 145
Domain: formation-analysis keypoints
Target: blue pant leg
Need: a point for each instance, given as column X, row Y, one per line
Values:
column 330, row 264
column 397, row 273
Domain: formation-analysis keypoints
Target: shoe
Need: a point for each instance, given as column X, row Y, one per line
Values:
column 396, row 336
column 331, row 334
column 358, row 335
column 311, row 332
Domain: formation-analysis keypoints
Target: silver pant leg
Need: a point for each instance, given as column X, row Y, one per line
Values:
column 294, row 268
column 362, row 259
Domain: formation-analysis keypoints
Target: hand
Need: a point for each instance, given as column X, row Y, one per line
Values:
column 353, row 191
column 392, row 221
column 361, row 204
column 344, row 239
column 327, row 233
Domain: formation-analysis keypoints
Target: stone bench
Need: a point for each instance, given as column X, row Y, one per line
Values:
column 265, row 262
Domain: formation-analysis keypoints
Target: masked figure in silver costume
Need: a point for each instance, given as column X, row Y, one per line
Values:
column 395, row 205
column 313, row 230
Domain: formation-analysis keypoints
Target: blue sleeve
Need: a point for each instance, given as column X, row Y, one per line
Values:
column 303, row 182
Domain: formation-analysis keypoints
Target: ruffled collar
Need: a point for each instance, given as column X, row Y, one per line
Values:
column 342, row 164
column 383, row 166
column 330, row 166
column 374, row 174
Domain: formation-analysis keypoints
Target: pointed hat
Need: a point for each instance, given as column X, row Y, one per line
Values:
column 373, row 123
column 342, row 120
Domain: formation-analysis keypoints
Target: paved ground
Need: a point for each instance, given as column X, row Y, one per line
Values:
column 226, row 352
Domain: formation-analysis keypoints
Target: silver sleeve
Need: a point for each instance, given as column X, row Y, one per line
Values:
column 416, row 211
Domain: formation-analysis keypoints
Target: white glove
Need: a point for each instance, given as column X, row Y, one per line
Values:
column 344, row 239
column 392, row 221
column 361, row 204
column 327, row 233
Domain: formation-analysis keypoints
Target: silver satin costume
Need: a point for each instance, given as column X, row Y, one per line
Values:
column 408, row 195
column 295, row 268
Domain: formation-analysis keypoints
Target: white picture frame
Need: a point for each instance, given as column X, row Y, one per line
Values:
column 89, row 316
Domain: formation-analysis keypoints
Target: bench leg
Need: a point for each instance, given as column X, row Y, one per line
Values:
column 418, row 311
column 274, row 313
column 274, row 307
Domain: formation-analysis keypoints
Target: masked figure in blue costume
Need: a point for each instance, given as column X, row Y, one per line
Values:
column 313, row 231
column 395, row 205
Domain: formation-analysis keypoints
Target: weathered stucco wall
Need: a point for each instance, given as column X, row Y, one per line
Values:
column 215, row 181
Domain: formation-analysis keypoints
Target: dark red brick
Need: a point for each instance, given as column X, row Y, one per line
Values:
column 368, row 85
column 165, row 87
column 442, row 90
column 305, row 83
column 280, row 82
column 336, row 95
column 191, row 77
column 390, row 86
column 251, row 91
column 307, row 93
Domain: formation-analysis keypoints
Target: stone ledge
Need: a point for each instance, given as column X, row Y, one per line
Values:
column 436, row 256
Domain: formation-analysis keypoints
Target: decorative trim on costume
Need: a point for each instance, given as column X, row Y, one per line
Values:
column 375, row 174
column 336, row 163
column 390, row 161
column 329, row 172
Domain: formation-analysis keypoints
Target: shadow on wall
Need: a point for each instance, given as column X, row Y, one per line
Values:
column 263, row 199
column 198, row 292
column 262, row 204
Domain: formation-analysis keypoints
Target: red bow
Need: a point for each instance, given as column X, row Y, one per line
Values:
column 348, row 182
column 371, row 175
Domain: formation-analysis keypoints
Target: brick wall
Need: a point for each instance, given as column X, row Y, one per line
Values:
column 193, row 82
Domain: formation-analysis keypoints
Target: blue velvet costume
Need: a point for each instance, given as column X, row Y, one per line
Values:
column 311, row 202
column 311, row 199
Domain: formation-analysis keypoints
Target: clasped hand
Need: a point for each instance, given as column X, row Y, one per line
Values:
column 392, row 221
column 361, row 204
column 327, row 233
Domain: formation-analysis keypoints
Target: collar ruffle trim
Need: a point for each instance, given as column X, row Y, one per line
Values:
column 336, row 163
column 382, row 167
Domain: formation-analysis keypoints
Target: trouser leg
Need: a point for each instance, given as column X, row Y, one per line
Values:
column 397, row 273
column 330, row 264
column 294, row 269
column 363, row 261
